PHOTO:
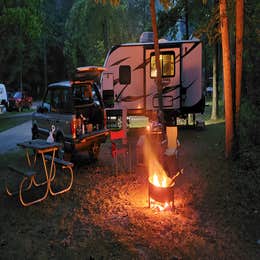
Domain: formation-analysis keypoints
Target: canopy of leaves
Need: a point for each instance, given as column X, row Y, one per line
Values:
column 167, row 20
column 20, row 29
column 92, row 28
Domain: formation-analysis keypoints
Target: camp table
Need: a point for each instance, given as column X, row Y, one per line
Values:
column 46, row 151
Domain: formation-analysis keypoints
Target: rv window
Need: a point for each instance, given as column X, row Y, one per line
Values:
column 124, row 74
column 166, row 62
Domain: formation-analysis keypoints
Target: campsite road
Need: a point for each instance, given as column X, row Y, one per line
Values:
column 19, row 133
column 12, row 136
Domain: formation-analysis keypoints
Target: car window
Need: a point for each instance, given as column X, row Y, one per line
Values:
column 58, row 100
column 82, row 94
column 95, row 97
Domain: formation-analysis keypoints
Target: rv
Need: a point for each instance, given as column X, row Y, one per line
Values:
column 129, row 82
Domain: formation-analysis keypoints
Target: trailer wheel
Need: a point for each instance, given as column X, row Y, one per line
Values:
column 94, row 151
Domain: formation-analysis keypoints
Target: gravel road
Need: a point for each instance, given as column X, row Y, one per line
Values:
column 12, row 136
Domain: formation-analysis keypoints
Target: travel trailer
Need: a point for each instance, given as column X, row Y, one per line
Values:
column 129, row 83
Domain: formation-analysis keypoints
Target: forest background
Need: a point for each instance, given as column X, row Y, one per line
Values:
column 43, row 41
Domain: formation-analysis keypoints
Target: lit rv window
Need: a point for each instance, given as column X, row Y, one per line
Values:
column 166, row 62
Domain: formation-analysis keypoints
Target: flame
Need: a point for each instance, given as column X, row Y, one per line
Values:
column 157, row 174
column 162, row 182
column 161, row 206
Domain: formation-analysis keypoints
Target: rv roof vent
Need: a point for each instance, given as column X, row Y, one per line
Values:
column 146, row 37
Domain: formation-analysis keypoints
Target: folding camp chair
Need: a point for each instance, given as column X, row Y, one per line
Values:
column 119, row 148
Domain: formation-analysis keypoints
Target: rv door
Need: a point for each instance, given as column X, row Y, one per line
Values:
column 108, row 89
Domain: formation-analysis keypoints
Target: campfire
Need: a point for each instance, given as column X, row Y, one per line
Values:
column 161, row 192
column 160, row 185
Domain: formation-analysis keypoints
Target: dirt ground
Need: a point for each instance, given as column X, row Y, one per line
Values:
column 105, row 216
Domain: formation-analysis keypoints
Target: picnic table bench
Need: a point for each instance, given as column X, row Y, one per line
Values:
column 29, row 174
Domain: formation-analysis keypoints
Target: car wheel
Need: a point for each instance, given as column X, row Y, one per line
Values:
column 94, row 151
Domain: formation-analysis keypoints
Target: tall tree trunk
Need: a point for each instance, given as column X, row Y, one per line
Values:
column 214, row 111
column 157, row 59
column 239, row 53
column 229, row 129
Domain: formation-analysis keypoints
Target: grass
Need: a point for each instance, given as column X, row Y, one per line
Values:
column 6, row 123
column 14, row 118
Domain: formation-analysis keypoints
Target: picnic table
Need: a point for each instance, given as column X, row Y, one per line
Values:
column 46, row 151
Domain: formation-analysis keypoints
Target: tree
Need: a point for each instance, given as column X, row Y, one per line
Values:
column 54, row 15
column 139, row 19
column 20, row 30
column 229, row 128
column 99, row 25
column 167, row 20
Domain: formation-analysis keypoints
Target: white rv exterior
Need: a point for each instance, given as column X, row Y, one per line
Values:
column 128, row 84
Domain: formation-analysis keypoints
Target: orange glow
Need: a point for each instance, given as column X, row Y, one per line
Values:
column 162, row 181
column 161, row 206
column 156, row 180
column 157, row 175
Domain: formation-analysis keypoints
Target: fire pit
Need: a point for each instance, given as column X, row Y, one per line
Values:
column 160, row 185
column 161, row 192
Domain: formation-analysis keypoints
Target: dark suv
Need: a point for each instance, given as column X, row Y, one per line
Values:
column 76, row 111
